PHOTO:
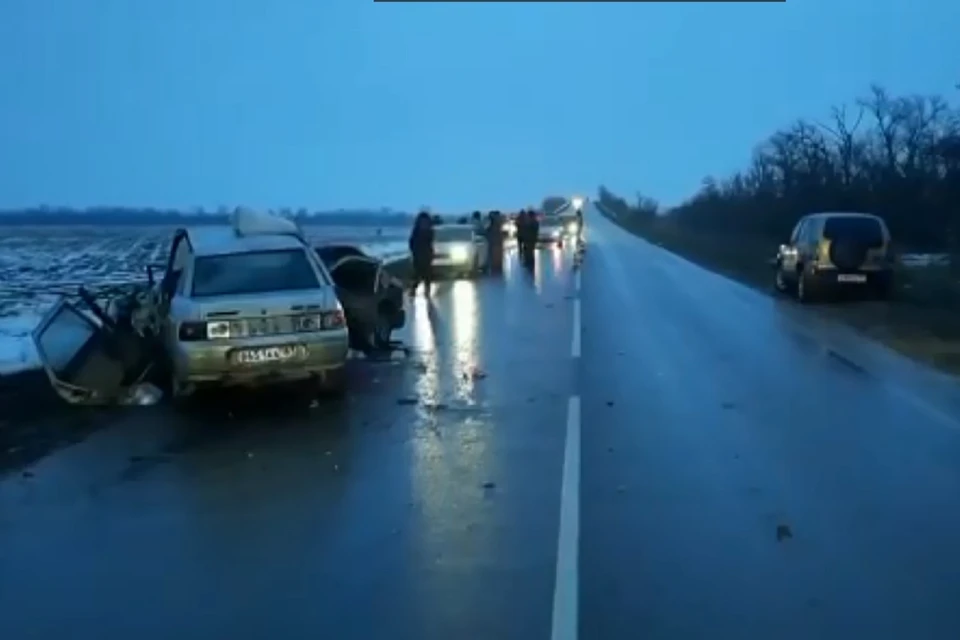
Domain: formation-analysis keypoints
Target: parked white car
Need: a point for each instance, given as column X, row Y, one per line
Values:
column 459, row 249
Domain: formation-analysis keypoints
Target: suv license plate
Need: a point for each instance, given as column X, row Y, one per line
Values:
column 851, row 277
column 265, row 354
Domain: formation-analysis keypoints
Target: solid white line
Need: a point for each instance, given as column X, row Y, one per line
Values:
column 576, row 280
column 575, row 345
column 567, row 579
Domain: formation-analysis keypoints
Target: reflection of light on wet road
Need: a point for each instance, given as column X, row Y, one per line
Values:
column 465, row 326
column 425, row 346
column 451, row 446
column 538, row 272
column 556, row 258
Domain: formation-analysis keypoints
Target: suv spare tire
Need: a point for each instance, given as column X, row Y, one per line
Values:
column 847, row 255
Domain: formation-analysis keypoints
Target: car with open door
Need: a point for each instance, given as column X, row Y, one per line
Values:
column 248, row 304
column 372, row 299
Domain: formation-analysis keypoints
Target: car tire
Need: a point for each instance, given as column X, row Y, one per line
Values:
column 779, row 281
column 378, row 337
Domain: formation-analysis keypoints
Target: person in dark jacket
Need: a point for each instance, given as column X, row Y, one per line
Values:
column 421, row 252
column 494, row 233
column 532, row 233
column 521, row 224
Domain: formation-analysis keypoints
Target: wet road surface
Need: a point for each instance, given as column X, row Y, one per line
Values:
column 750, row 472
column 639, row 450
column 423, row 507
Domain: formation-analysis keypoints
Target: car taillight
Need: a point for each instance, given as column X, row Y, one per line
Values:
column 334, row 319
column 325, row 321
column 193, row 331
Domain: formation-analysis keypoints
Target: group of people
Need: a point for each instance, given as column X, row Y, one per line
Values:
column 422, row 240
column 491, row 228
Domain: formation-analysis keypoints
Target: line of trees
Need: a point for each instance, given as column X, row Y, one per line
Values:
column 898, row 157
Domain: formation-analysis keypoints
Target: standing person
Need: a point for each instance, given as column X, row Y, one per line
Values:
column 421, row 252
column 495, row 242
column 521, row 232
column 533, row 232
column 482, row 249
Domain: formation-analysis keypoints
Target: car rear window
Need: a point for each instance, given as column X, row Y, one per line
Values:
column 455, row 234
column 862, row 230
column 253, row 272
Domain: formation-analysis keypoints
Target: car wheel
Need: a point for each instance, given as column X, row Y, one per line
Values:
column 378, row 338
column 779, row 282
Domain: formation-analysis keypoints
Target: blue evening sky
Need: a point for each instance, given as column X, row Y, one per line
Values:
column 348, row 103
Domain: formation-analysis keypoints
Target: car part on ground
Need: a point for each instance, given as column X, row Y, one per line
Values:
column 91, row 357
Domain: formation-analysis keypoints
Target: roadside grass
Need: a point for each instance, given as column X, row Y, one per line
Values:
column 922, row 319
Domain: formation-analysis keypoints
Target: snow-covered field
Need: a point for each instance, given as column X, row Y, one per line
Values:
column 37, row 264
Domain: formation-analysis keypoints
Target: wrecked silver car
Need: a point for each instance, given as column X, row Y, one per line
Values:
column 232, row 308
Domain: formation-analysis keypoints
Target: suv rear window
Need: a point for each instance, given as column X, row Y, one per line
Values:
column 253, row 272
column 861, row 230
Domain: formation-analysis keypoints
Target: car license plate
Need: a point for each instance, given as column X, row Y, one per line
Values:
column 265, row 354
column 852, row 277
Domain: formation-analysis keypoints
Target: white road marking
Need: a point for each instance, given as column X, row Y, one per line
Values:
column 567, row 579
column 575, row 344
column 576, row 280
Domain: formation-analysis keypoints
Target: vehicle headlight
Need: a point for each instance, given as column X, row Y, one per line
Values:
column 572, row 228
column 459, row 254
column 577, row 203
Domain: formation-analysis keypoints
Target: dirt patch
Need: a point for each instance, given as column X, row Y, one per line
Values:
column 922, row 320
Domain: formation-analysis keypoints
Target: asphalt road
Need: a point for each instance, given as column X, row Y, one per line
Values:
column 640, row 449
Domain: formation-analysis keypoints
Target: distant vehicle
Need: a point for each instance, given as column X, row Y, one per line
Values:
column 372, row 299
column 458, row 249
column 553, row 229
column 836, row 253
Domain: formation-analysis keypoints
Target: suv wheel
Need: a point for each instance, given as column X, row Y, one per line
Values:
column 779, row 282
column 804, row 290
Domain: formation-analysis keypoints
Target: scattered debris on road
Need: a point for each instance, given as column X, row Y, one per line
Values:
column 783, row 532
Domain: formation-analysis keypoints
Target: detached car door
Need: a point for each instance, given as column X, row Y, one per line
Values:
column 86, row 363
